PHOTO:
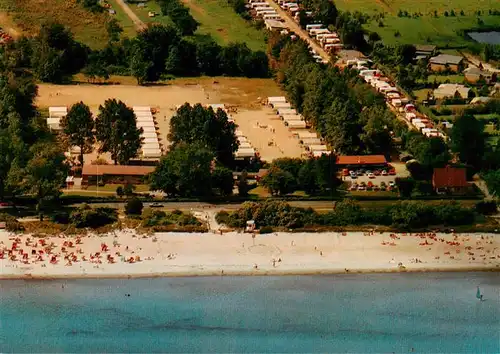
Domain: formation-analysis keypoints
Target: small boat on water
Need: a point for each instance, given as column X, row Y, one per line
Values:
column 479, row 295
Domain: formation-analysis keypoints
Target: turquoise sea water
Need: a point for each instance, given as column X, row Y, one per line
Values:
column 358, row 313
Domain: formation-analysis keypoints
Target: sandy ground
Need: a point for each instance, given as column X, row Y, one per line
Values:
column 264, row 127
column 166, row 98
column 181, row 254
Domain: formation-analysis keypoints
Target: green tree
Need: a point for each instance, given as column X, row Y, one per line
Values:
column 468, row 140
column 128, row 189
column 278, row 181
column 56, row 55
column 119, row 191
column 44, row 174
column 212, row 130
column 222, row 180
column 117, row 132
column 185, row 171
column 114, row 30
column 243, row 187
column 492, row 179
column 133, row 207
column 78, row 127
column 405, row 186
column 376, row 130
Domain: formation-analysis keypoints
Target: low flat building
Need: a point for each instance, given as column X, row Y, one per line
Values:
column 473, row 75
column 443, row 62
column 450, row 91
column 450, row 180
column 423, row 51
column 114, row 174
column 361, row 160
column 274, row 25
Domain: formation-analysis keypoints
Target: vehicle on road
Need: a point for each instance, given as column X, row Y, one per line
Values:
column 156, row 205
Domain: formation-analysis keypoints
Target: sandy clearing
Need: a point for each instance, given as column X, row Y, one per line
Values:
column 264, row 126
column 165, row 99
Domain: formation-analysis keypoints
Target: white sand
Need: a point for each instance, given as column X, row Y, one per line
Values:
column 239, row 253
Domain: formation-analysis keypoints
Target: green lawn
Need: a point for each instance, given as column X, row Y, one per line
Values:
column 125, row 21
column 452, row 79
column 427, row 29
column 219, row 20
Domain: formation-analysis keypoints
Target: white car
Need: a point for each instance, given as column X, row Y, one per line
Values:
column 392, row 184
column 371, row 175
column 384, row 173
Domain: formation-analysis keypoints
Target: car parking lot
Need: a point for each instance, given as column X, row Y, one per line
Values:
column 367, row 180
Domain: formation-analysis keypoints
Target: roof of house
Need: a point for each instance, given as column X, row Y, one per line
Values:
column 479, row 100
column 125, row 170
column 425, row 48
column 472, row 70
column 361, row 160
column 448, row 90
column 446, row 59
column 449, row 177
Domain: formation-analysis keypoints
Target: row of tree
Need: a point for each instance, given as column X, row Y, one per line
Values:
column 115, row 129
column 157, row 52
column 403, row 215
column 203, row 143
column 349, row 114
column 314, row 175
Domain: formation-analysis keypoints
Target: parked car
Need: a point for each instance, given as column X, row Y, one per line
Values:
column 361, row 188
column 371, row 175
column 156, row 205
column 384, row 173
column 353, row 187
column 392, row 172
column 353, row 174
column 370, row 184
column 391, row 184
column 345, row 172
column 376, row 172
column 376, row 188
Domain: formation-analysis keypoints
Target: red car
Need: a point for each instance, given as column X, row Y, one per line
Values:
column 376, row 172
column 392, row 172
column 345, row 172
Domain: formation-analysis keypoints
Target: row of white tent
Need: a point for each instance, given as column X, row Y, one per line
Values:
column 55, row 115
column 150, row 143
column 295, row 122
column 263, row 10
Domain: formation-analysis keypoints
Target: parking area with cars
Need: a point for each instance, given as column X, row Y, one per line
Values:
column 370, row 180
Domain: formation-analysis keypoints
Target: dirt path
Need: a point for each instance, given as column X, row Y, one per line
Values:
column 475, row 61
column 136, row 20
column 293, row 26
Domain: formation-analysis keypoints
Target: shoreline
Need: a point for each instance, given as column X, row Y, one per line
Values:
column 239, row 273
column 126, row 254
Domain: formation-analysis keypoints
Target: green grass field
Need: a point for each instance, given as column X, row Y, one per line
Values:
column 28, row 15
column 427, row 29
column 125, row 21
column 219, row 20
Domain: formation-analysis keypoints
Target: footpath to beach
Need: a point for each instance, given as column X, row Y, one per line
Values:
column 128, row 254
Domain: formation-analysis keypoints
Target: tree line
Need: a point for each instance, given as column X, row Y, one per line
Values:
column 351, row 117
column 405, row 215
column 157, row 52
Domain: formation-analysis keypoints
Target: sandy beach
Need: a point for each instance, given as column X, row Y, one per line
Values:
column 127, row 254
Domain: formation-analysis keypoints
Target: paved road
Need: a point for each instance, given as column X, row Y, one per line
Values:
column 476, row 62
column 294, row 26
column 139, row 25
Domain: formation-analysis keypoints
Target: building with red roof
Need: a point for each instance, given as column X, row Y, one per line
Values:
column 361, row 160
column 450, row 180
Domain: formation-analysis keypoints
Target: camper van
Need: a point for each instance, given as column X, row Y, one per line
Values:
column 266, row 12
column 272, row 17
column 313, row 26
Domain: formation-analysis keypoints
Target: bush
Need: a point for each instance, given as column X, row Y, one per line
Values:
column 119, row 191
column 222, row 217
column 129, row 189
column 486, row 207
column 61, row 217
column 133, row 207
column 266, row 230
column 85, row 216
